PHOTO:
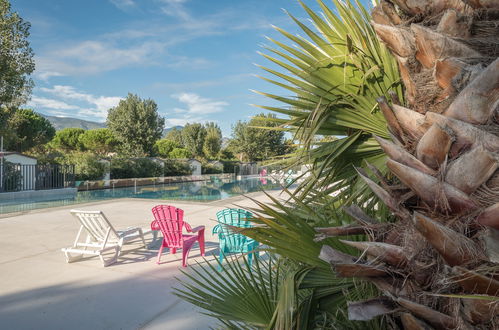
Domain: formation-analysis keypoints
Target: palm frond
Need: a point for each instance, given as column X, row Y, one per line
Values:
column 335, row 75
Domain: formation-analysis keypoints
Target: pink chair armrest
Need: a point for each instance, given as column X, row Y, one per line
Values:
column 190, row 229
column 155, row 225
column 198, row 228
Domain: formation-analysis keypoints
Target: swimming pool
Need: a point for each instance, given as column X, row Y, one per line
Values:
column 201, row 191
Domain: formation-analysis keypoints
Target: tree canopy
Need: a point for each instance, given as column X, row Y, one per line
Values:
column 100, row 141
column 213, row 141
column 254, row 142
column 68, row 139
column 30, row 129
column 16, row 57
column 164, row 147
column 175, row 135
column 193, row 136
column 136, row 124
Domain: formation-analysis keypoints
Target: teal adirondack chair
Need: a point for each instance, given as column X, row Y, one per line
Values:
column 231, row 242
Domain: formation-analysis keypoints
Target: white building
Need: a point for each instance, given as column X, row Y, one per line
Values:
column 28, row 172
column 195, row 165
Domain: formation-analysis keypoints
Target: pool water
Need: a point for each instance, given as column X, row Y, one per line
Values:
column 200, row 191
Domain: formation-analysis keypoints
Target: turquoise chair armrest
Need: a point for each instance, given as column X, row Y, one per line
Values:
column 216, row 229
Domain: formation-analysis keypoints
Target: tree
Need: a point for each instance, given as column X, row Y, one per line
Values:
column 253, row 142
column 30, row 128
column 180, row 153
column 175, row 135
column 213, row 141
column 164, row 147
column 136, row 124
column 87, row 165
column 193, row 136
column 16, row 58
column 101, row 141
column 68, row 139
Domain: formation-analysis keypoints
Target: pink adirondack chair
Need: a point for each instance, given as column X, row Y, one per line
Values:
column 170, row 220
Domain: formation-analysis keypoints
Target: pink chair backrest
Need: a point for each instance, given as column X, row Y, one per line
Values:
column 171, row 221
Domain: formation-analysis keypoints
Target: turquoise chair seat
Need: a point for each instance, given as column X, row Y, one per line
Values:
column 230, row 241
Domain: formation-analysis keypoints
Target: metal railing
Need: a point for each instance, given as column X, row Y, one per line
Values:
column 18, row 177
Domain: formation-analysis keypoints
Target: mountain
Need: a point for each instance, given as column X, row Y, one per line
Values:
column 66, row 122
column 166, row 130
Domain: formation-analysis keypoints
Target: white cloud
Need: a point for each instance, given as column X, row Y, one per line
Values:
column 195, row 111
column 199, row 105
column 50, row 104
column 123, row 4
column 175, row 8
column 94, row 106
column 92, row 57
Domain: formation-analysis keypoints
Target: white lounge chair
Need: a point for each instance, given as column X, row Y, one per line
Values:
column 101, row 237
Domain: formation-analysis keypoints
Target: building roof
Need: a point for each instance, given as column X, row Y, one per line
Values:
column 7, row 153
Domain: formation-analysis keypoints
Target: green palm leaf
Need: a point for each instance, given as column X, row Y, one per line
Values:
column 335, row 75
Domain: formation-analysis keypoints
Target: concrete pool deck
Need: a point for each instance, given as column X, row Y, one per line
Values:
column 39, row 290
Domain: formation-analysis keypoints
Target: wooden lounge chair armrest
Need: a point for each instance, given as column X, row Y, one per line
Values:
column 130, row 230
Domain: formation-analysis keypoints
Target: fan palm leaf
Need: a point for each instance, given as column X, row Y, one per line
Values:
column 335, row 75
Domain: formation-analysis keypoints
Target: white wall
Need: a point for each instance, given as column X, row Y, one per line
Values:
column 196, row 166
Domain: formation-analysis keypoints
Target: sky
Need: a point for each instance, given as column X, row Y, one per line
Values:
column 195, row 58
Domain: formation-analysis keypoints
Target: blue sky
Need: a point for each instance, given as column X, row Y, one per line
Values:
column 195, row 58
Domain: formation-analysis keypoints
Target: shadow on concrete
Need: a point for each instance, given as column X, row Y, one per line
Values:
column 123, row 304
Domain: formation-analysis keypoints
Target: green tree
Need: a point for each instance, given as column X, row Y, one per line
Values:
column 87, row 165
column 6, row 131
column 180, row 153
column 100, row 140
column 213, row 141
column 193, row 136
column 68, row 139
column 254, row 141
column 163, row 147
column 31, row 129
column 136, row 124
column 16, row 57
column 175, row 135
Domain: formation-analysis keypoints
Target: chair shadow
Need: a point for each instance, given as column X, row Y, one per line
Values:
column 195, row 252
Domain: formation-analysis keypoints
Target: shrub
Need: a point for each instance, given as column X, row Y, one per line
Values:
column 164, row 147
column 210, row 169
column 124, row 168
column 175, row 167
column 87, row 165
column 180, row 153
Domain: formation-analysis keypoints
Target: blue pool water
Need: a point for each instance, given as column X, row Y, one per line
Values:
column 201, row 191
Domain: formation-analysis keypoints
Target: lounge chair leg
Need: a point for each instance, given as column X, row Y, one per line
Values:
column 221, row 259
column 201, row 242
column 112, row 259
column 142, row 237
column 70, row 258
column 185, row 254
column 158, row 259
column 250, row 259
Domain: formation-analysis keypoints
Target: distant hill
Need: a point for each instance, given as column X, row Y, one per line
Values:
column 166, row 130
column 66, row 122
